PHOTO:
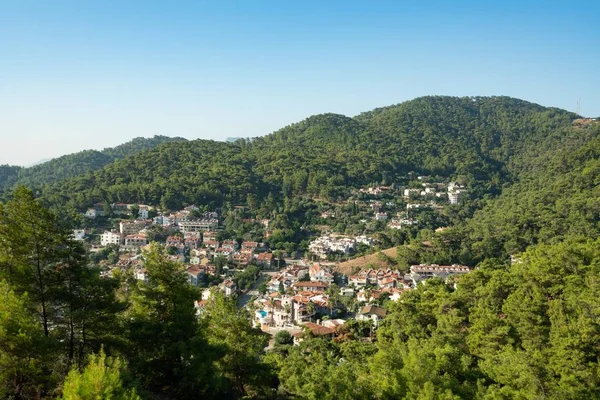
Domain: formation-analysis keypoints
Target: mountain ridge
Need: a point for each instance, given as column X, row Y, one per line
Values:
column 75, row 163
column 481, row 139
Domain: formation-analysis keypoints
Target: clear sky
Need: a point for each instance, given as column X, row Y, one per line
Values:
column 91, row 74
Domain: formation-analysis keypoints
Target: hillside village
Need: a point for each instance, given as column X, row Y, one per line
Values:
column 311, row 264
column 288, row 287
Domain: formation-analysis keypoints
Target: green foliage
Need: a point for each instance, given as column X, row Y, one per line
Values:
column 8, row 174
column 241, row 346
column 482, row 141
column 100, row 379
column 283, row 338
column 246, row 278
column 75, row 164
column 46, row 273
column 318, row 369
column 529, row 331
column 24, row 355
column 262, row 288
column 167, row 349
column 550, row 203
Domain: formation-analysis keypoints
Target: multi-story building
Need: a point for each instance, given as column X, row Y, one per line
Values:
column 421, row 272
column 110, row 237
column 205, row 224
column 195, row 274
column 136, row 240
column 133, row 227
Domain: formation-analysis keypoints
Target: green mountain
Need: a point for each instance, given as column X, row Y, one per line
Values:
column 498, row 146
column 75, row 164
column 8, row 173
column 484, row 141
column 558, row 198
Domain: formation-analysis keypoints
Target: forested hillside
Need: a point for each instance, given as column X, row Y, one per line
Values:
column 521, row 329
column 485, row 142
column 8, row 174
column 557, row 200
column 534, row 156
column 75, row 164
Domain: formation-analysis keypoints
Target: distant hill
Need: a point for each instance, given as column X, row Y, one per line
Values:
column 33, row 164
column 485, row 141
column 75, row 164
column 8, row 173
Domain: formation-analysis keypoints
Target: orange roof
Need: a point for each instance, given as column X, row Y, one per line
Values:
column 319, row 330
column 312, row 284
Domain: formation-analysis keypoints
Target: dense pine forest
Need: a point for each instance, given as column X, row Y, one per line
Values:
column 485, row 141
column 75, row 164
column 526, row 329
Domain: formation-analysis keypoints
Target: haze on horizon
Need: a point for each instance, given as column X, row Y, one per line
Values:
column 90, row 75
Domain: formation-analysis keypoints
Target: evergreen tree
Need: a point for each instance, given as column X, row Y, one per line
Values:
column 100, row 379
column 229, row 330
column 167, row 349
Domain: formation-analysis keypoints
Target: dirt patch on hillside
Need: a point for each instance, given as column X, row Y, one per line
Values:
column 348, row 267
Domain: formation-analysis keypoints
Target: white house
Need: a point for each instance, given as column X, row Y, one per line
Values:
column 373, row 313
column 141, row 275
column 78, row 234
column 110, row 237
column 320, row 274
column 132, row 227
column 195, row 275
column 381, row 216
column 205, row 224
column 136, row 240
column 229, row 287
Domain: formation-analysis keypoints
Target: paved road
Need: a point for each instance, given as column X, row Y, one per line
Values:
column 244, row 298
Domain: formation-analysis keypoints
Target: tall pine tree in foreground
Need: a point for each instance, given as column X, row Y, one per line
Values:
column 69, row 310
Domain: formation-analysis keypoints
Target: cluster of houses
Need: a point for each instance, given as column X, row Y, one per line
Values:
column 101, row 209
column 382, row 204
column 373, row 284
column 239, row 255
column 132, row 233
column 300, row 295
column 375, row 190
column 193, row 240
column 297, row 296
column 451, row 191
column 401, row 221
column 325, row 245
column 421, row 272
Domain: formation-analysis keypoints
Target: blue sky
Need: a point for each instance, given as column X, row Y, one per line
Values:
column 90, row 74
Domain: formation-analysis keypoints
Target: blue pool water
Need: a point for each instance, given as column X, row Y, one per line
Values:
column 262, row 313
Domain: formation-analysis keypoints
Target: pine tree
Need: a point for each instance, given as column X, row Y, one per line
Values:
column 100, row 379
